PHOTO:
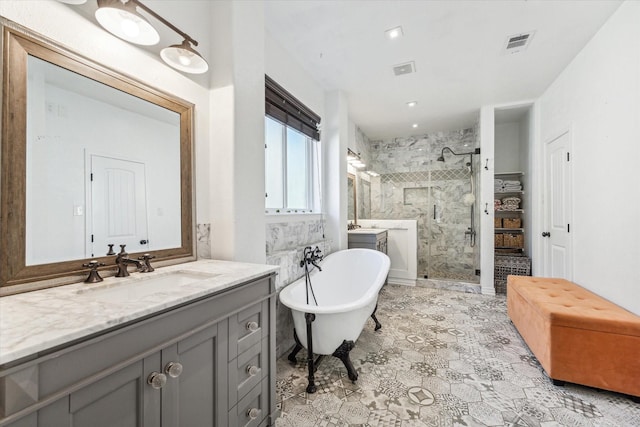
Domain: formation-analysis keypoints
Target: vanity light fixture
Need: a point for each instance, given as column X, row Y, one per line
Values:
column 412, row 103
column 122, row 19
column 415, row 125
column 353, row 159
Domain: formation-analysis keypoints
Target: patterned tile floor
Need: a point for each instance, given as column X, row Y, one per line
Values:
column 442, row 358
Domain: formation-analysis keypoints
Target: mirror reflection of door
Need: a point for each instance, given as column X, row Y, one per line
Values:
column 118, row 206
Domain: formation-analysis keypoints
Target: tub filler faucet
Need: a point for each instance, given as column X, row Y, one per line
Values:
column 311, row 256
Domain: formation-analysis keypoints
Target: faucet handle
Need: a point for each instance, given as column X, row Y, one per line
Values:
column 122, row 250
column 110, row 252
column 146, row 259
column 94, row 276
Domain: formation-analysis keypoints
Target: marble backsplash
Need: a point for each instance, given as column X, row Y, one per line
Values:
column 203, row 241
column 414, row 185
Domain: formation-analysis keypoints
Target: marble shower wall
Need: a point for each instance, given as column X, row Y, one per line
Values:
column 414, row 185
column 285, row 244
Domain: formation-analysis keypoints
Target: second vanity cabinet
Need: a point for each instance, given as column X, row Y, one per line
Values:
column 368, row 238
column 209, row 362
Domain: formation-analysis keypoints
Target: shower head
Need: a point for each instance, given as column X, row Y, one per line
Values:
column 441, row 158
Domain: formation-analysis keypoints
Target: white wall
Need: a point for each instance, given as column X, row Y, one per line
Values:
column 236, row 174
column 507, row 148
column 598, row 97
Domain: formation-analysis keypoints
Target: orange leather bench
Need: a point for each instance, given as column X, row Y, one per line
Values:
column 576, row 335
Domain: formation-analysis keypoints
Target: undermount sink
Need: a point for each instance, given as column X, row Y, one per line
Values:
column 136, row 287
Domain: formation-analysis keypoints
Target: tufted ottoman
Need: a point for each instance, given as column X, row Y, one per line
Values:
column 576, row 335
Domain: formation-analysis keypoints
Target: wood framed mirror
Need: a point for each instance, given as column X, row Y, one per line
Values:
column 89, row 158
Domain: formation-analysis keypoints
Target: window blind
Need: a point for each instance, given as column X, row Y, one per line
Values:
column 287, row 109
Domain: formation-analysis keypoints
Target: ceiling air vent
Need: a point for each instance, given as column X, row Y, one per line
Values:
column 518, row 42
column 406, row 68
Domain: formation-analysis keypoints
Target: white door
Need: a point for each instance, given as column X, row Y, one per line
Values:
column 557, row 233
column 118, row 206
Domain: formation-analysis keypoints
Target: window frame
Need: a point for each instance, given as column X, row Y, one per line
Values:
column 312, row 169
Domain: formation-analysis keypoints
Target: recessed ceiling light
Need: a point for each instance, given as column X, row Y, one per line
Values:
column 412, row 103
column 394, row 33
column 415, row 125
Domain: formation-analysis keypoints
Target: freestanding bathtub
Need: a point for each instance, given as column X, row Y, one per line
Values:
column 346, row 291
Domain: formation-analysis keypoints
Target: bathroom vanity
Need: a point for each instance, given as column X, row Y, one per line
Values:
column 368, row 238
column 187, row 345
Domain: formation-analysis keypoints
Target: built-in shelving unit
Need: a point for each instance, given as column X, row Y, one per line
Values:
column 509, row 239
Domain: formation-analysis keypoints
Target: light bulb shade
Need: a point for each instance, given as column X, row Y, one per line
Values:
column 184, row 58
column 123, row 20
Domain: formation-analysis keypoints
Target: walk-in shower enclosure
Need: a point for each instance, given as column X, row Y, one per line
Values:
column 414, row 185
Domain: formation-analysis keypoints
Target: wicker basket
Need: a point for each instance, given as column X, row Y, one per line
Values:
column 499, row 240
column 497, row 222
column 513, row 240
column 512, row 223
column 506, row 265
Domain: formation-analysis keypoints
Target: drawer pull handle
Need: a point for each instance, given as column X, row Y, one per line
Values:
column 173, row 369
column 157, row 380
column 253, row 413
column 252, row 326
column 252, row 370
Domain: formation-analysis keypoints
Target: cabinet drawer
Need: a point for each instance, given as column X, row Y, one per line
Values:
column 248, row 328
column 252, row 410
column 248, row 370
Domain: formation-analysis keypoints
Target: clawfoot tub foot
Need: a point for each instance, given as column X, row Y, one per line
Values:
column 342, row 353
column 375, row 319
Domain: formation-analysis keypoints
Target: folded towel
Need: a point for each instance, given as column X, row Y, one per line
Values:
column 498, row 181
column 512, row 182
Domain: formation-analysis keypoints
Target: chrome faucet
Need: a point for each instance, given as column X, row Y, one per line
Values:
column 123, row 260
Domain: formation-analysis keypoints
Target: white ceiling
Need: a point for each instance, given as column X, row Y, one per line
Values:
column 457, row 47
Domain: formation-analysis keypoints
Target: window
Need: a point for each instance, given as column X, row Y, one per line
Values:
column 289, row 168
column 291, row 150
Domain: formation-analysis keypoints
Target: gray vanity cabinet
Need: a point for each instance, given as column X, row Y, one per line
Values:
column 375, row 239
column 213, row 362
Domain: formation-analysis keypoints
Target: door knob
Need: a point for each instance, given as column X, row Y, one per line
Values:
column 144, row 241
column 252, row 370
column 546, row 234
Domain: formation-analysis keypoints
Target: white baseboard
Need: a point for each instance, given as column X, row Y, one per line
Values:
column 399, row 281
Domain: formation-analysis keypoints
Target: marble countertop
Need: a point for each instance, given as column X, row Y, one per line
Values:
column 37, row 321
column 367, row 231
